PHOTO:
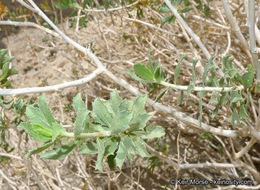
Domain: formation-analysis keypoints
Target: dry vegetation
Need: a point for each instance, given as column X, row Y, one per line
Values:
column 44, row 60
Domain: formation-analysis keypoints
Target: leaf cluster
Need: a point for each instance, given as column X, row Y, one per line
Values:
column 233, row 99
column 115, row 129
column 6, row 70
column 183, row 6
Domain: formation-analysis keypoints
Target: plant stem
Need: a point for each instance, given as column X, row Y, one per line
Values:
column 251, row 25
column 85, row 135
column 200, row 89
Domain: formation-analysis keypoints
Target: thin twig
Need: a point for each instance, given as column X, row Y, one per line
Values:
column 245, row 149
column 27, row 6
column 188, row 29
column 235, row 26
column 30, row 24
column 109, row 10
column 11, row 156
column 251, row 25
column 6, row 178
column 20, row 91
column 210, row 22
column 149, row 25
column 203, row 89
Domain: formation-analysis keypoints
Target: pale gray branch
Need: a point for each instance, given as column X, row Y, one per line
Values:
column 235, row 26
column 30, row 24
column 188, row 29
column 20, row 91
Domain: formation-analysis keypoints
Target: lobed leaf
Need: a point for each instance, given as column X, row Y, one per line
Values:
column 39, row 149
column 101, row 114
column 89, row 148
column 140, row 147
column 101, row 151
column 121, row 122
column 35, row 116
column 37, row 132
column 45, row 110
column 82, row 119
column 153, row 132
column 178, row 68
column 248, row 79
column 57, row 130
column 121, row 155
column 60, row 152
column 143, row 72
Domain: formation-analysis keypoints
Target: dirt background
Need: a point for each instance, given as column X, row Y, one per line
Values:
column 43, row 60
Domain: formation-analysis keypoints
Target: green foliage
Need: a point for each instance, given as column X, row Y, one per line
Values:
column 151, row 74
column 65, row 4
column 183, row 6
column 233, row 99
column 6, row 70
column 17, row 105
column 115, row 129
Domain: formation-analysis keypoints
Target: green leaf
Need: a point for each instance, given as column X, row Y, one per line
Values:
column 164, row 9
column 60, row 152
column 209, row 67
column 5, row 70
column 135, row 77
column 194, row 63
column 214, row 98
column 115, row 101
column 12, row 72
column 101, row 151
column 235, row 97
column 78, row 103
column 140, row 121
column 180, row 98
column 186, row 9
column 39, row 149
column 251, row 68
column 235, row 117
column 139, row 106
column 161, row 95
column 140, row 147
column 191, row 87
column 153, row 132
column 57, row 130
column 120, row 122
column 248, row 79
column 89, row 148
column 64, row 4
column 178, row 68
column 46, row 110
column 121, row 155
column 101, row 114
column 223, row 99
column 169, row 19
column 35, row 116
column 129, row 144
column 243, row 113
column 143, row 72
column 37, row 132
column 7, row 60
column 3, row 52
column 107, row 2
column 177, row 3
column 111, row 147
column 82, row 118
